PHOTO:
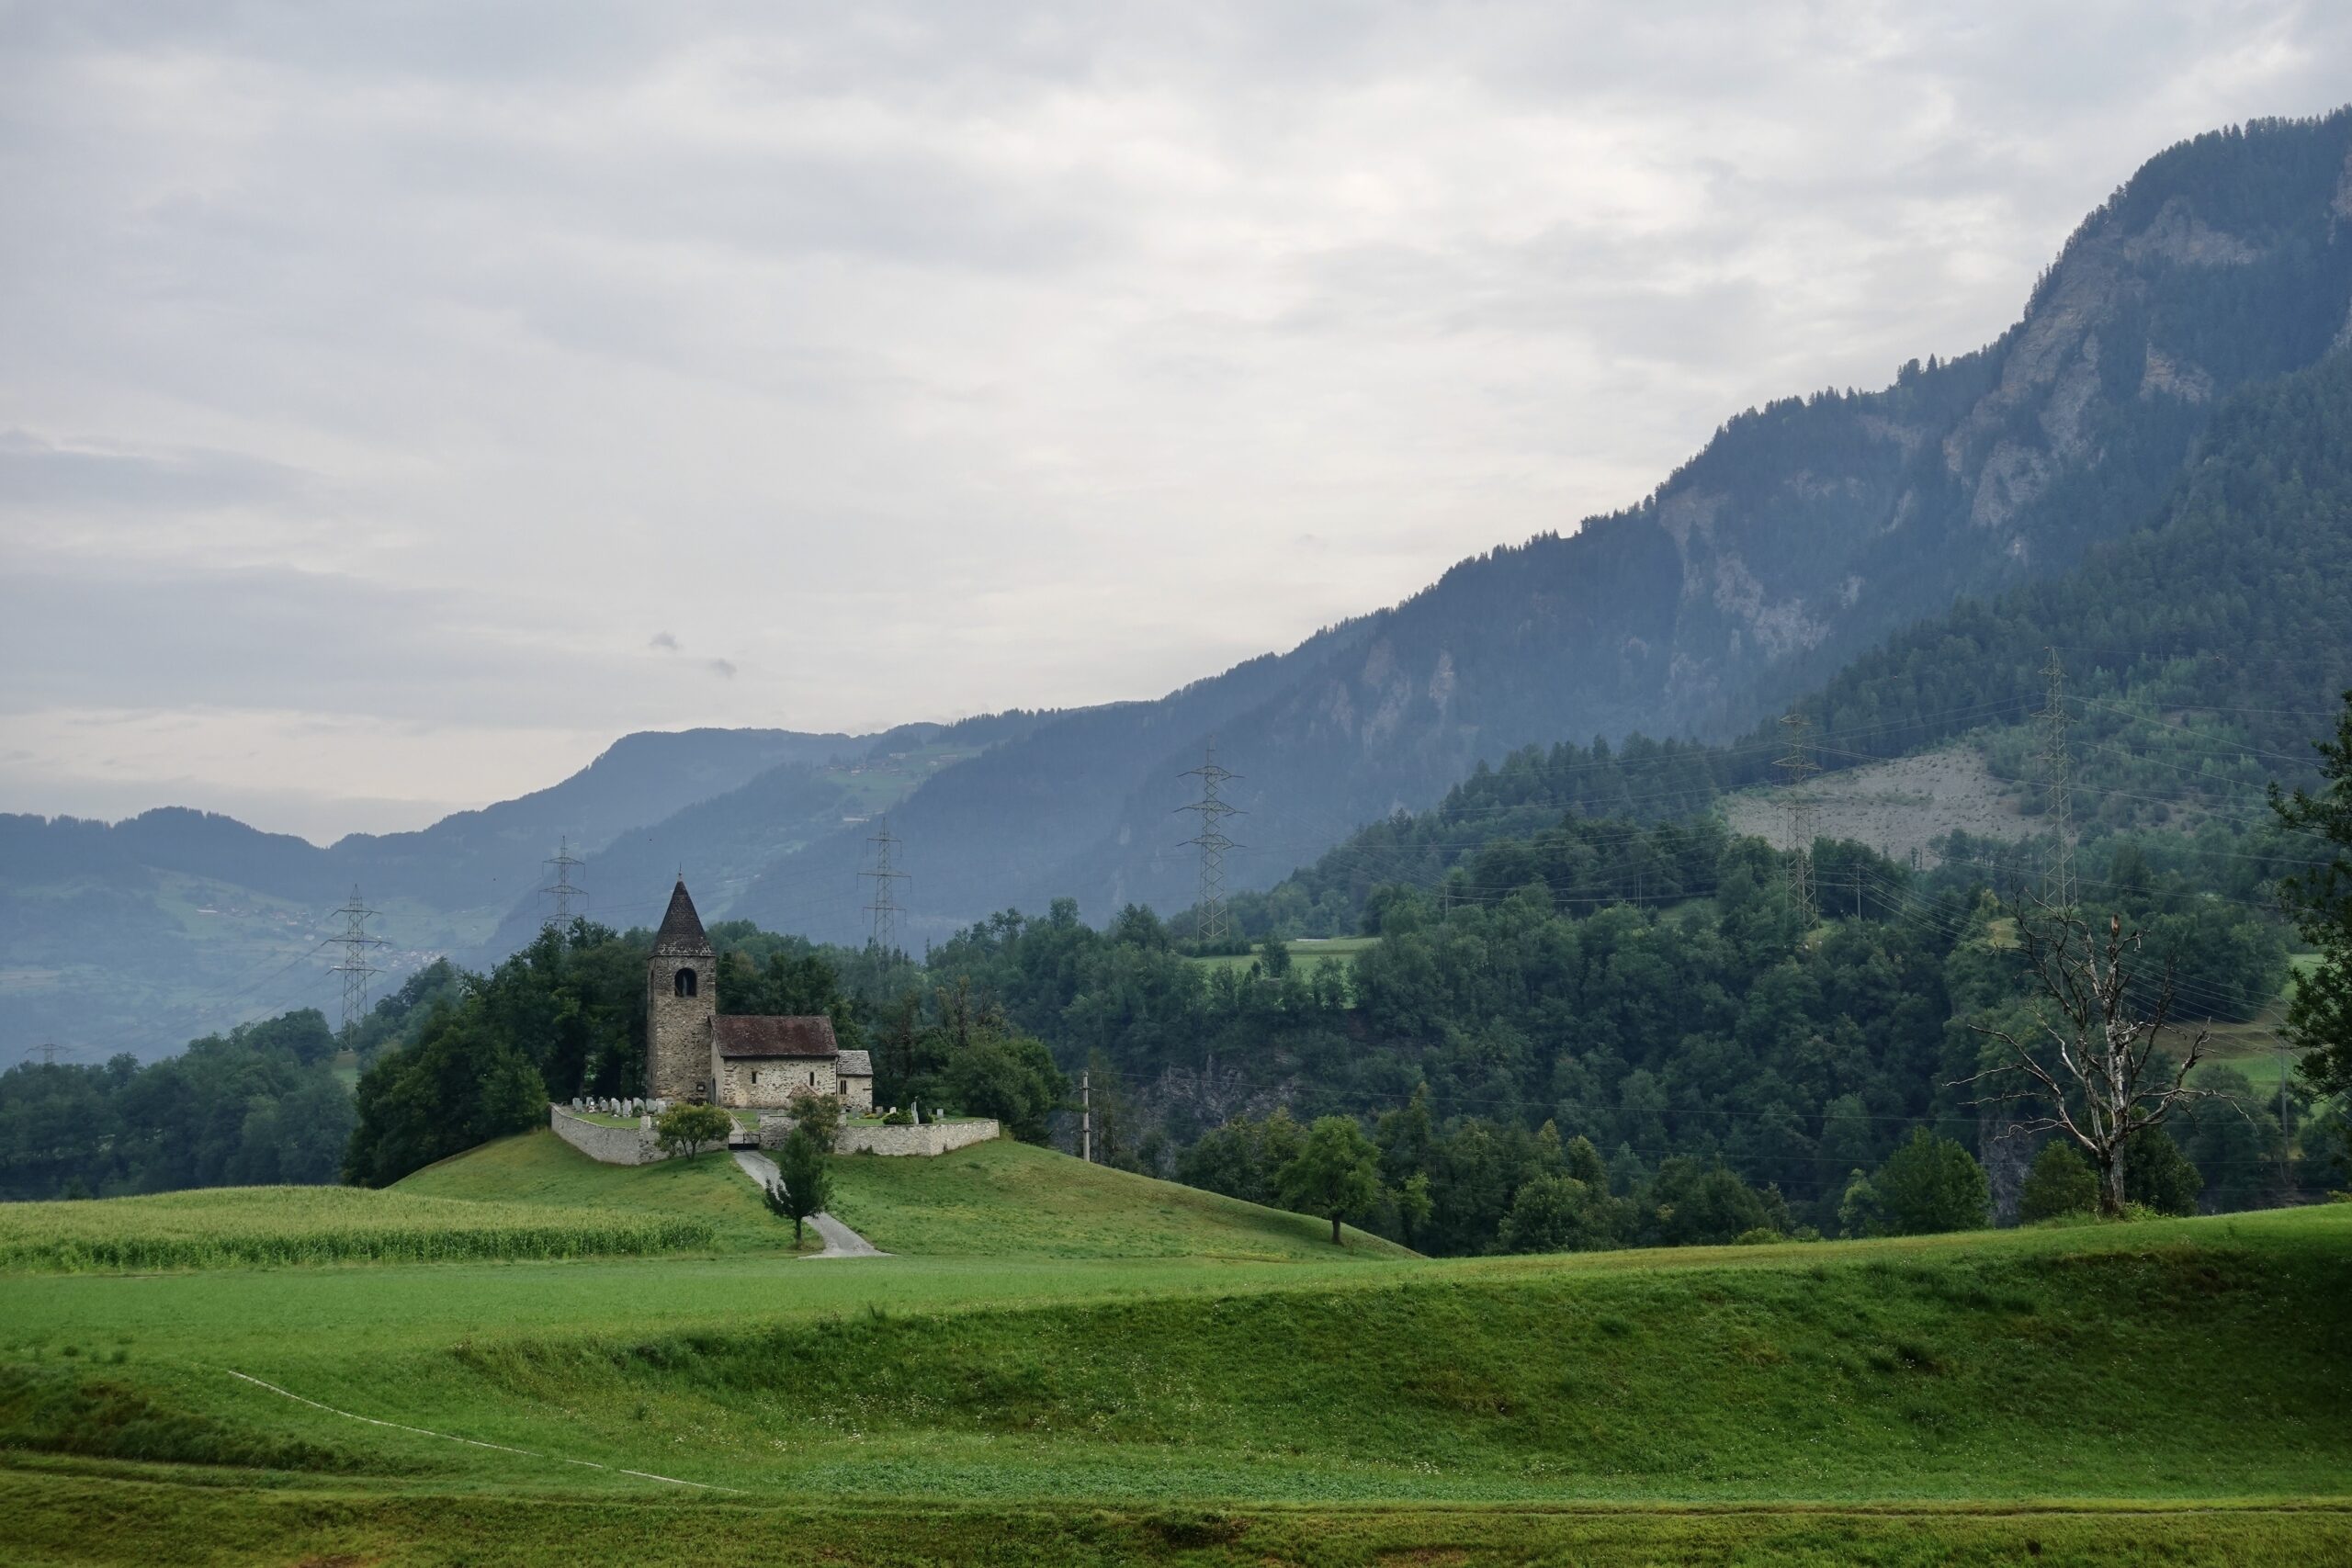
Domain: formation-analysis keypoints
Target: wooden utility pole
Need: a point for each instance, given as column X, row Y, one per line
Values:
column 1086, row 1115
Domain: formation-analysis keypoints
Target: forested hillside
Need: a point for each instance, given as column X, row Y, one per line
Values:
column 1802, row 535
column 2200, row 654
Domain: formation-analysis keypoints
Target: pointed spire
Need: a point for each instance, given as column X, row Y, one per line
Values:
column 682, row 934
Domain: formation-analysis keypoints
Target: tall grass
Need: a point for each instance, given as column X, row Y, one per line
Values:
column 235, row 1227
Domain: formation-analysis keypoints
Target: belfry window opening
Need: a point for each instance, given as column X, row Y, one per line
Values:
column 683, row 983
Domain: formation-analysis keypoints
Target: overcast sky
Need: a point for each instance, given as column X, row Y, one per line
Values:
column 397, row 403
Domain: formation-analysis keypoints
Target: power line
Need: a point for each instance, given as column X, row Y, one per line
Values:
column 1212, row 842
column 885, row 908
column 560, row 893
column 356, row 969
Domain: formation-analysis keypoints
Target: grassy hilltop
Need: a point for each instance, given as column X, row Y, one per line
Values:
column 1068, row 1364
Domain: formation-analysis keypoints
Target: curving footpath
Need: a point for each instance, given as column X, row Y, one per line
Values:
column 840, row 1240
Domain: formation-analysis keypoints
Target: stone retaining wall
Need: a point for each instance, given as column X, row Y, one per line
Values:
column 934, row 1139
column 612, row 1146
column 636, row 1145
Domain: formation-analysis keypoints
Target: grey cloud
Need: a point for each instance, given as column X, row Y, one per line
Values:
column 485, row 337
column 37, row 473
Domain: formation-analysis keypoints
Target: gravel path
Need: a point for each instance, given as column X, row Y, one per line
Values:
column 840, row 1240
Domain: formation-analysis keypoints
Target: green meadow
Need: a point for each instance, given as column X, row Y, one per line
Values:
column 1307, row 954
column 1061, row 1363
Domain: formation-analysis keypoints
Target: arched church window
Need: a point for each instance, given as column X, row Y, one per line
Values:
column 683, row 982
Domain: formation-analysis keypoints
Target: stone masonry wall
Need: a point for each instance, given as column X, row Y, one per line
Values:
column 677, row 1029
column 780, row 1080
column 935, row 1139
column 636, row 1145
column 612, row 1146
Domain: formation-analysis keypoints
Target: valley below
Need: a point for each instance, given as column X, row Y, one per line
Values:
column 1031, row 1377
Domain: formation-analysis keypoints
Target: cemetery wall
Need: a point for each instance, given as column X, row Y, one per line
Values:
column 936, row 1138
column 612, row 1146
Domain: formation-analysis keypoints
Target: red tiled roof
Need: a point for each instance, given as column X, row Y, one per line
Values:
column 774, row 1036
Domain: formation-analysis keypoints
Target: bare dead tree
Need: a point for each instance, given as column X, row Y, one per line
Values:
column 2089, row 1068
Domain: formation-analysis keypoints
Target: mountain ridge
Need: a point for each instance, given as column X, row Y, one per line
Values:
column 1803, row 532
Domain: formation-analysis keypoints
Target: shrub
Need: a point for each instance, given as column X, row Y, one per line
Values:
column 2157, row 1174
column 688, row 1127
column 1931, row 1184
column 2061, row 1182
column 1560, row 1214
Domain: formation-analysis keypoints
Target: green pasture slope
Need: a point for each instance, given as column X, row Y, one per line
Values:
column 1037, row 1377
column 1307, row 954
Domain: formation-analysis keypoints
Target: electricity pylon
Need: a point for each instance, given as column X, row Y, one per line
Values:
column 1212, row 842
column 561, row 892
column 356, row 969
column 885, row 907
column 1796, row 768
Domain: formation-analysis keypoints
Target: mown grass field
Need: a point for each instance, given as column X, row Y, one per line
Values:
column 2089, row 1395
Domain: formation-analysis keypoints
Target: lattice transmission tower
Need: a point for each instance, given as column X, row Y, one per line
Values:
column 357, row 948
column 886, row 909
column 2057, row 771
column 1796, row 767
column 561, row 892
column 1211, row 841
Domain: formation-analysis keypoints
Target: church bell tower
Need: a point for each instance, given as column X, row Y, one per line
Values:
column 681, row 999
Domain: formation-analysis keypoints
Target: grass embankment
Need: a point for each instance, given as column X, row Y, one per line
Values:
column 56, row 1520
column 1004, row 1198
column 1871, row 1372
column 540, row 1170
column 231, row 1226
column 1886, row 1402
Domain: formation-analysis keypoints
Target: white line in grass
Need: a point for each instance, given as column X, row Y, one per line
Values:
column 471, row 1442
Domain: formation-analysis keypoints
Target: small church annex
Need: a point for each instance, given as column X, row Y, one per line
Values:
column 692, row 1053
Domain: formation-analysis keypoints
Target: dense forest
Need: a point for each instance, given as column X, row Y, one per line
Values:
column 1605, row 1032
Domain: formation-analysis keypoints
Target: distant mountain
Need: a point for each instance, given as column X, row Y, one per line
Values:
column 2199, row 655
column 1803, row 533
column 720, row 845
column 124, row 933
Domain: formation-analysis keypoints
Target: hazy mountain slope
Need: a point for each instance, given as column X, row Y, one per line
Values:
column 1803, row 532
column 1000, row 828
column 720, row 845
column 138, row 934
column 2201, row 653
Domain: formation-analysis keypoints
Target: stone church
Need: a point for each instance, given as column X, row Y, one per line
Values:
column 692, row 1053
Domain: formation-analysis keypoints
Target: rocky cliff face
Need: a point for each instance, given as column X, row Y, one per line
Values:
column 1803, row 532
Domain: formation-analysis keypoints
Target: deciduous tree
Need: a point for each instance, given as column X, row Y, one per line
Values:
column 804, row 1183
column 688, row 1127
column 1333, row 1174
column 2088, row 1067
